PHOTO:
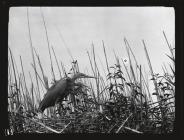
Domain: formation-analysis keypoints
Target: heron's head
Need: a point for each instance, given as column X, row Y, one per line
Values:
column 81, row 75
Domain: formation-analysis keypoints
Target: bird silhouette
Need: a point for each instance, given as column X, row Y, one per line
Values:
column 60, row 90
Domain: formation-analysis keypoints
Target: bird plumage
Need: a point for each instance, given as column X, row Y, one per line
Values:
column 50, row 98
column 59, row 91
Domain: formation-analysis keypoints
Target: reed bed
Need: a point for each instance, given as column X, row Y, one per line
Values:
column 121, row 102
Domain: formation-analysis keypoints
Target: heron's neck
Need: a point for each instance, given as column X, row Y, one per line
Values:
column 74, row 78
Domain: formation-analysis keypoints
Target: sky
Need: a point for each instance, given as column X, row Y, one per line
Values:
column 78, row 27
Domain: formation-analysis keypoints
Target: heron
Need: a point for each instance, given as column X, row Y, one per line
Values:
column 60, row 90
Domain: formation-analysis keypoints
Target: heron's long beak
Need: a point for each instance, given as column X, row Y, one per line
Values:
column 89, row 76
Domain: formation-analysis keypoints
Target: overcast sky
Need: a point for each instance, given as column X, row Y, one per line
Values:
column 82, row 26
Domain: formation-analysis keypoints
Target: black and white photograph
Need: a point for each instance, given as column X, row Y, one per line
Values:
column 91, row 70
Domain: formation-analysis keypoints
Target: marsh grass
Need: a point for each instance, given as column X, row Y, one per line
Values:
column 121, row 102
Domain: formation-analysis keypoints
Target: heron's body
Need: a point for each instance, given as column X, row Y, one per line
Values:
column 56, row 92
column 59, row 91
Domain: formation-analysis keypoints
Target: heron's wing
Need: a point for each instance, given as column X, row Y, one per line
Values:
column 52, row 87
column 52, row 94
